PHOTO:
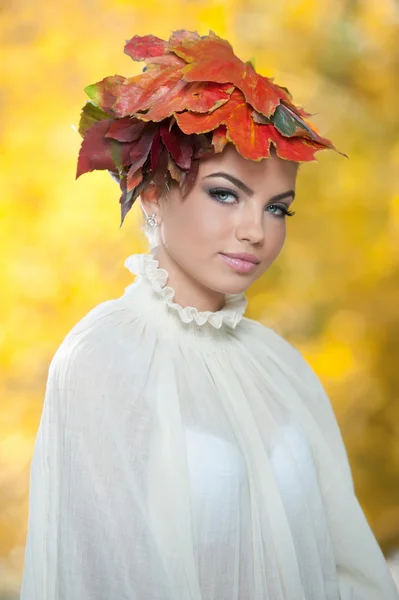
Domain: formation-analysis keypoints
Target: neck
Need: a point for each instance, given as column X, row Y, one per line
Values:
column 188, row 291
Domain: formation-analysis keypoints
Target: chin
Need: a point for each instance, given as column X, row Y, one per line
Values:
column 235, row 287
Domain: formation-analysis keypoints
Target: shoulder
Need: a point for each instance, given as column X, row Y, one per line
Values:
column 96, row 342
column 262, row 340
column 288, row 367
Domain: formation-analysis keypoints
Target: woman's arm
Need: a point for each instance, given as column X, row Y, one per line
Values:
column 89, row 536
column 354, row 542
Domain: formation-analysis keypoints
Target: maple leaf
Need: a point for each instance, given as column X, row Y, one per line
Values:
column 95, row 151
column 212, row 59
column 193, row 122
column 193, row 97
column 178, row 145
column 188, row 178
column 197, row 97
column 103, row 93
column 127, row 199
column 140, row 152
column 219, row 138
column 142, row 47
column 155, row 152
column 134, row 178
column 91, row 114
column 295, row 149
column 143, row 91
column 127, row 129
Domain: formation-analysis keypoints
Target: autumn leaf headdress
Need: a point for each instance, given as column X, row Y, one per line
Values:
column 193, row 97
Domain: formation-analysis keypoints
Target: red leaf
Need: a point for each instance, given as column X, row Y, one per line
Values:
column 178, row 145
column 127, row 199
column 202, row 146
column 161, row 91
column 261, row 119
column 91, row 114
column 295, row 149
column 160, row 174
column 190, row 122
column 212, row 59
column 188, row 178
column 134, row 178
column 95, row 151
column 219, row 138
column 141, row 149
column 142, row 47
column 156, row 149
column 297, row 109
column 197, row 97
column 251, row 139
column 174, row 170
column 167, row 60
column 211, row 48
column 105, row 92
column 143, row 91
column 179, row 35
column 127, row 129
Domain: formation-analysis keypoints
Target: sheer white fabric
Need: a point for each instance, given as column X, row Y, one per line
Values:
column 185, row 455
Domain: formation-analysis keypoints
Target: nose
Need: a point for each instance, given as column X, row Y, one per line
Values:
column 251, row 226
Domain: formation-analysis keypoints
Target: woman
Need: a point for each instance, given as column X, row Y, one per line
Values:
column 186, row 452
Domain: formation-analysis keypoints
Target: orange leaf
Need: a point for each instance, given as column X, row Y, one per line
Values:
column 219, row 138
column 125, row 130
column 212, row 59
column 104, row 92
column 174, row 170
column 141, row 148
column 295, row 149
column 143, row 91
column 197, row 97
column 146, row 46
column 180, row 35
column 190, row 122
column 251, row 139
column 95, row 150
column 179, row 146
column 134, row 178
column 188, row 178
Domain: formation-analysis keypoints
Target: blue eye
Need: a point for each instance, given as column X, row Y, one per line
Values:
column 223, row 195
column 230, row 197
column 279, row 211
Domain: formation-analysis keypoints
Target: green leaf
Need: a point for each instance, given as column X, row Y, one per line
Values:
column 287, row 123
column 90, row 114
column 92, row 91
column 116, row 153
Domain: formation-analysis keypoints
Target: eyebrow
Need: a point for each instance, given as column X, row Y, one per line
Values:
column 240, row 184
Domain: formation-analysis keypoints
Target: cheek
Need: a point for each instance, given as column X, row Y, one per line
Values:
column 194, row 223
column 275, row 235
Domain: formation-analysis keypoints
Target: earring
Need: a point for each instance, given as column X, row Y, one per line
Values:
column 151, row 222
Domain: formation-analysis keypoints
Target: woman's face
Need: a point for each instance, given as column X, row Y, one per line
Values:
column 236, row 206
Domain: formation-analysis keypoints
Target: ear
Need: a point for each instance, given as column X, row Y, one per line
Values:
column 150, row 200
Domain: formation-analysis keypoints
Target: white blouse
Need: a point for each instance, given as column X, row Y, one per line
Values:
column 187, row 455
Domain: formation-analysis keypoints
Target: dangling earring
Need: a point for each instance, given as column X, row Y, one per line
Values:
column 151, row 222
column 150, row 228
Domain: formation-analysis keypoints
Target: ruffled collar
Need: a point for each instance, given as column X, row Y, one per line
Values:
column 146, row 267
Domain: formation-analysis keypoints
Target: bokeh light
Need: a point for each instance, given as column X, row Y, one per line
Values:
column 333, row 293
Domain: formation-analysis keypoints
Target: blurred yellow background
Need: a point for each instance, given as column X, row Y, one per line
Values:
column 333, row 293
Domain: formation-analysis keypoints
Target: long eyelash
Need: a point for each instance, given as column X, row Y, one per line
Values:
column 215, row 191
column 286, row 211
column 289, row 213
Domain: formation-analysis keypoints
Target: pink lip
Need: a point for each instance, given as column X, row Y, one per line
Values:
column 243, row 256
column 238, row 264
